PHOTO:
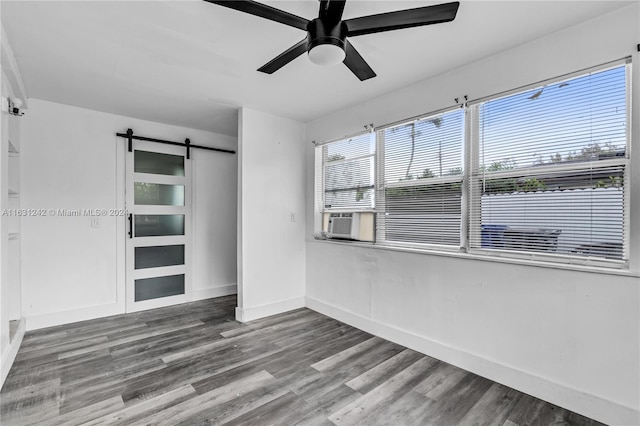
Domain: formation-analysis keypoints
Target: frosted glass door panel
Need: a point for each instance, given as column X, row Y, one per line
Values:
column 156, row 287
column 157, row 225
column 158, row 256
column 158, row 163
column 158, row 194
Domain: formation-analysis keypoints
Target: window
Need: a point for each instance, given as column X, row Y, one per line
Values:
column 420, row 180
column 549, row 168
column 347, row 173
column 539, row 173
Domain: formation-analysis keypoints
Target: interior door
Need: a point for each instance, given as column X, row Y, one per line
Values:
column 158, row 200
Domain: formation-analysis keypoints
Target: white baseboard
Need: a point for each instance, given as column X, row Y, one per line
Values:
column 256, row 312
column 581, row 402
column 66, row 317
column 92, row 312
column 10, row 354
column 211, row 292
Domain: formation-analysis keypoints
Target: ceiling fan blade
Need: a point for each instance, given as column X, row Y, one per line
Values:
column 284, row 58
column 331, row 10
column 264, row 11
column 402, row 19
column 356, row 63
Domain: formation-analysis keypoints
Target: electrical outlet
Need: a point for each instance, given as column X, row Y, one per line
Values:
column 95, row 221
column 293, row 217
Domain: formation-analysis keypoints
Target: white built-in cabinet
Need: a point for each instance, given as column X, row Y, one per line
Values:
column 12, row 322
column 13, row 218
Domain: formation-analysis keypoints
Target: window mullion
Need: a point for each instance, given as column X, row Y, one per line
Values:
column 380, row 187
column 473, row 189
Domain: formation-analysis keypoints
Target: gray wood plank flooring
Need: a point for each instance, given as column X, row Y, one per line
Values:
column 193, row 364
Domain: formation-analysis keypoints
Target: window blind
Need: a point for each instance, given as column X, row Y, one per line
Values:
column 549, row 169
column 419, row 201
column 347, row 171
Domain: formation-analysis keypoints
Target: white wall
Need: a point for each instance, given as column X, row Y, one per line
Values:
column 71, row 159
column 215, row 191
column 271, row 245
column 569, row 337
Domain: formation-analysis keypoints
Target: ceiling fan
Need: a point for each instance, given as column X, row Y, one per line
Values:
column 326, row 41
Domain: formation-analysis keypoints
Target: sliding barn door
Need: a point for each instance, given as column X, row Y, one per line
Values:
column 158, row 200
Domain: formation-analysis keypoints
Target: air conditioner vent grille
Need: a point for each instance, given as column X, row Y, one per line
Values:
column 342, row 225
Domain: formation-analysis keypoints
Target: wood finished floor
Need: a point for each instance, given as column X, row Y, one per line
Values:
column 194, row 365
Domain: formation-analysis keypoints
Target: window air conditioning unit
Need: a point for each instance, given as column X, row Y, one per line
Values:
column 351, row 226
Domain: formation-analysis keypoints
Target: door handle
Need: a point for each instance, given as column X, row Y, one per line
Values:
column 130, row 225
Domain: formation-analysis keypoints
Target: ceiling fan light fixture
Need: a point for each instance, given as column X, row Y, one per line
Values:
column 326, row 54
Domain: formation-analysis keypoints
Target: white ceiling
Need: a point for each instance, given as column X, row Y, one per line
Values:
column 192, row 63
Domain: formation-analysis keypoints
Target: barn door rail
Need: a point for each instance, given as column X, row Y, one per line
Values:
column 129, row 136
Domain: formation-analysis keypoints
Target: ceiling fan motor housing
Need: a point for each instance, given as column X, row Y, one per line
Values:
column 319, row 32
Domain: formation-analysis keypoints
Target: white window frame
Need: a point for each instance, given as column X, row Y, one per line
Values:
column 474, row 175
column 470, row 224
column 321, row 164
column 381, row 185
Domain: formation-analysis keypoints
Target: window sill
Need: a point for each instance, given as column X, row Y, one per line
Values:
column 488, row 258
